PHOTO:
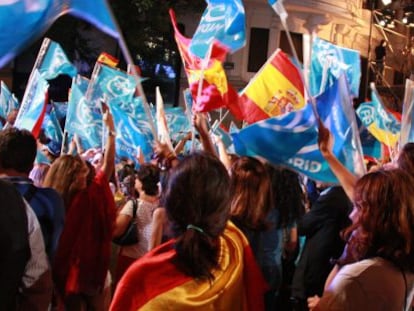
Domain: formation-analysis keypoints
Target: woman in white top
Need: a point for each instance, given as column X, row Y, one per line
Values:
column 146, row 184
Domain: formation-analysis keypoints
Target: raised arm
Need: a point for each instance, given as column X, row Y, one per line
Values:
column 223, row 155
column 200, row 123
column 345, row 177
column 109, row 156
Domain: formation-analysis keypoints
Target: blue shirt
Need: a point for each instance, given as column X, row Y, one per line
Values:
column 49, row 208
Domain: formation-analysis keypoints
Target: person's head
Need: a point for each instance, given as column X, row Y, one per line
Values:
column 11, row 117
column 288, row 196
column 250, row 187
column 17, row 150
column 405, row 159
column 52, row 150
column 197, row 196
column 383, row 217
column 147, row 179
column 67, row 175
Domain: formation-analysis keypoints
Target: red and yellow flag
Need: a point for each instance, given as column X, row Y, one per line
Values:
column 275, row 90
column 107, row 59
column 154, row 282
column 216, row 91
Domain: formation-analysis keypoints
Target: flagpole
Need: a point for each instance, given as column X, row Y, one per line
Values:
column 39, row 59
column 280, row 10
column 204, row 65
column 372, row 85
column 128, row 57
column 95, row 72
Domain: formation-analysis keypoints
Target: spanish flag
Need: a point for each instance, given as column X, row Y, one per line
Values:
column 154, row 282
column 275, row 90
column 216, row 91
column 107, row 59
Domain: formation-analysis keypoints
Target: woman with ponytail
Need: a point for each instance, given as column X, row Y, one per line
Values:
column 208, row 265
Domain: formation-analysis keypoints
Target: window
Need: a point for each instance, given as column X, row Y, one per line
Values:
column 259, row 42
column 297, row 43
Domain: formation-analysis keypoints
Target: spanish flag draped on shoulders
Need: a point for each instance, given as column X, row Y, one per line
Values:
column 154, row 282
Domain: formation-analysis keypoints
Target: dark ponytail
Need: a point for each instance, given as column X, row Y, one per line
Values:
column 197, row 202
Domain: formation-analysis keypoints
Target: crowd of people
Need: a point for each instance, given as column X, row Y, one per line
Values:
column 214, row 231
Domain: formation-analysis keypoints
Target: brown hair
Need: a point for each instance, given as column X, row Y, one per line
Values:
column 62, row 176
column 197, row 194
column 250, row 187
column 17, row 150
column 149, row 176
column 406, row 158
column 385, row 226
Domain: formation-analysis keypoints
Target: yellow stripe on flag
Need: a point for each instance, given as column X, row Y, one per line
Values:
column 214, row 74
column 383, row 136
column 273, row 92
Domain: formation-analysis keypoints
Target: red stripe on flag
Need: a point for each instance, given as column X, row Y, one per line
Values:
column 282, row 63
column 152, row 281
column 38, row 125
column 251, row 112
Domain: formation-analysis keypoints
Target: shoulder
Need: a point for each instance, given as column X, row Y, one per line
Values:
column 136, row 287
column 49, row 193
column 362, row 284
column 127, row 208
column 159, row 213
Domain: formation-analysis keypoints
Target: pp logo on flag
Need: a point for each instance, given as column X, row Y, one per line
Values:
column 367, row 114
column 119, row 86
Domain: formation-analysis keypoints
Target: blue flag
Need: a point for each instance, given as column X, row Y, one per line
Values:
column 407, row 120
column 33, row 103
column 380, row 123
column 177, row 122
column 133, row 130
column 23, row 21
column 112, row 84
column 224, row 21
column 61, row 109
column 292, row 139
column 370, row 145
column 328, row 62
column 7, row 101
column 55, row 62
column 52, row 127
column 82, row 118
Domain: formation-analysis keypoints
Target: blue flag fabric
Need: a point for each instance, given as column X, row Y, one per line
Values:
column 111, row 84
column 82, row 118
column 407, row 122
column 292, row 139
column 61, row 109
column 224, row 21
column 7, row 100
column 177, row 122
column 382, row 124
column 23, row 21
column 133, row 130
column 370, row 145
column 33, row 103
column 52, row 127
column 55, row 62
column 328, row 62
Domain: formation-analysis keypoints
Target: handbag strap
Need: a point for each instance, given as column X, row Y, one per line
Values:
column 134, row 208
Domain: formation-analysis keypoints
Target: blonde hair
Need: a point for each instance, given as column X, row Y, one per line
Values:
column 62, row 176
